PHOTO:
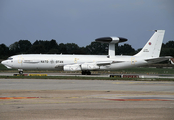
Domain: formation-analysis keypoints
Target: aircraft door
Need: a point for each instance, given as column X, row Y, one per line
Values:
column 133, row 61
column 20, row 61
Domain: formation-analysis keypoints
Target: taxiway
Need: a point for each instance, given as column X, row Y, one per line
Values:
column 50, row 99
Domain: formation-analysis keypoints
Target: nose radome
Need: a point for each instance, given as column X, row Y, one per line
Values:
column 2, row 62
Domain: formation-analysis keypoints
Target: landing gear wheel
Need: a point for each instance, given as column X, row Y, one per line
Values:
column 21, row 72
column 83, row 72
column 88, row 73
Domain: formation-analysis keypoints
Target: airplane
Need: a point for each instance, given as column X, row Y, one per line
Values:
column 87, row 63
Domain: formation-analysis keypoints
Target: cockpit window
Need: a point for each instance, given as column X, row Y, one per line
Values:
column 10, row 59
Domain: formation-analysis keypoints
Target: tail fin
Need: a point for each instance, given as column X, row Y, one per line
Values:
column 153, row 46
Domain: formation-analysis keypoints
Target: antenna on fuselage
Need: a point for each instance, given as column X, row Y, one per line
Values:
column 112, row 41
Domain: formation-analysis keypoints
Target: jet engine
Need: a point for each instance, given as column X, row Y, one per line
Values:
column 75, row 67
column 78, row 67
column 90, row 66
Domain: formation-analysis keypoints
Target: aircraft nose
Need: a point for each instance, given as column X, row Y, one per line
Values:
column 3, row 62
column 6, row 63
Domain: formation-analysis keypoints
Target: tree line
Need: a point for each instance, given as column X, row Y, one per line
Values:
column 52, row 47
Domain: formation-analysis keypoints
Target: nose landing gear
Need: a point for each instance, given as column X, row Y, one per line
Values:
column 20, row 71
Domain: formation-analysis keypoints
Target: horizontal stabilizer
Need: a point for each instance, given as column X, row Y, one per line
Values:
column 160, row 59
column 172, row 61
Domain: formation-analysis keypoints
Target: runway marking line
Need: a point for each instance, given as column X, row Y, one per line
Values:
column 7, row 98
column 138, row 100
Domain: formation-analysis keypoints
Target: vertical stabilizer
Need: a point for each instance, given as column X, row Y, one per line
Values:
column 153, row 46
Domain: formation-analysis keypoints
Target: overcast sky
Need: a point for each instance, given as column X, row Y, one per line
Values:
column 82, row 21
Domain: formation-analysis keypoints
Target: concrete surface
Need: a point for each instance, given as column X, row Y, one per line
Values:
column 41, row 99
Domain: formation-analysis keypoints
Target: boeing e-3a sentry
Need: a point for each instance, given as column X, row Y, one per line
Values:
column 86, row 63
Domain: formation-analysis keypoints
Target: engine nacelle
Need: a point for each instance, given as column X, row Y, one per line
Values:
column 111, row 39
column 72, row 68
column 77, row 67
column 90, row 66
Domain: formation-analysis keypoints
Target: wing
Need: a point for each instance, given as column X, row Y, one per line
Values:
column 84, row 65
column 103, row 63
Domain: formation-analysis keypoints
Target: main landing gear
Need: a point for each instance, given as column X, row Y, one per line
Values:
column 20, row 71
column 86, row 72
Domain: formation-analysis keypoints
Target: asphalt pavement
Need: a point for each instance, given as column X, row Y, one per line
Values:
column 52, row 99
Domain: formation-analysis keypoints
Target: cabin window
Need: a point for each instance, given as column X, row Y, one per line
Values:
column 10, row 59
column 51, row 61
